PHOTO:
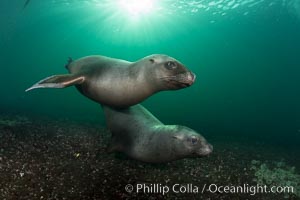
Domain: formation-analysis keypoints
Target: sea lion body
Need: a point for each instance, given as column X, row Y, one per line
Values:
column 141, row 136
column 125, row 83
column 119, row 83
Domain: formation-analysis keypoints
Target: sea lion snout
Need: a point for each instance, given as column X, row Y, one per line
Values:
column 206, row 150
column 188, row 78
column 191, row 77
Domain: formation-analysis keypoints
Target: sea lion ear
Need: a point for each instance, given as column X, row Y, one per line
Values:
column 152, row 60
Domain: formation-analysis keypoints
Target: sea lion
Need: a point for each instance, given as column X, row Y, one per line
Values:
column 141, row 136
column 119, row 83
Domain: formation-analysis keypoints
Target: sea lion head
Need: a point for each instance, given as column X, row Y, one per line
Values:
column 190, row 143
column 170, row 73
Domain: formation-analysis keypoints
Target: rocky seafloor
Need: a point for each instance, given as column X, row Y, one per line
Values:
column 61, row 159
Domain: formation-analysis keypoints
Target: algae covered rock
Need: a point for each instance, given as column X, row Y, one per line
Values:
column 277, row 174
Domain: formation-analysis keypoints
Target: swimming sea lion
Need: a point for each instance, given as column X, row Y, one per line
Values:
column 120, row 83
column 141, row 136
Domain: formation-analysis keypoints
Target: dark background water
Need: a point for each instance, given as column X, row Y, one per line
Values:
column 247, row 62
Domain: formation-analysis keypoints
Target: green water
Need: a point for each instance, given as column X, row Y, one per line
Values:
column 246, row 55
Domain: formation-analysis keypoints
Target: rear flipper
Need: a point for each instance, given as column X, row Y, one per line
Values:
column 58, row 81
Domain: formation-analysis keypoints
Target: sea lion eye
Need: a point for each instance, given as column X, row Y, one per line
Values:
column 193, row 140
column 170, row 65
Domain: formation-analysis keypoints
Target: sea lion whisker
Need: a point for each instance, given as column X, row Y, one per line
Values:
column 167, row 77
column 174, row 78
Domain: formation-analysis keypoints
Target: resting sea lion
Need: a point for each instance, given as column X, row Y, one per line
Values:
column 141, row 136
column 119, row 83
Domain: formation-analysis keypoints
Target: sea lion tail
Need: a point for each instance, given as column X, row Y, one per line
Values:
column 58, row 81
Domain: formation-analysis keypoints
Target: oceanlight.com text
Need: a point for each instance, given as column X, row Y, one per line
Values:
column 158, row 188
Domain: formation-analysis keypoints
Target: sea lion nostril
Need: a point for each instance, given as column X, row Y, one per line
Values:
column 206, row 150
column 193, row 75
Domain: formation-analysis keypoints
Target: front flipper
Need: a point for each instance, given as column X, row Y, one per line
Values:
column 58, row 81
